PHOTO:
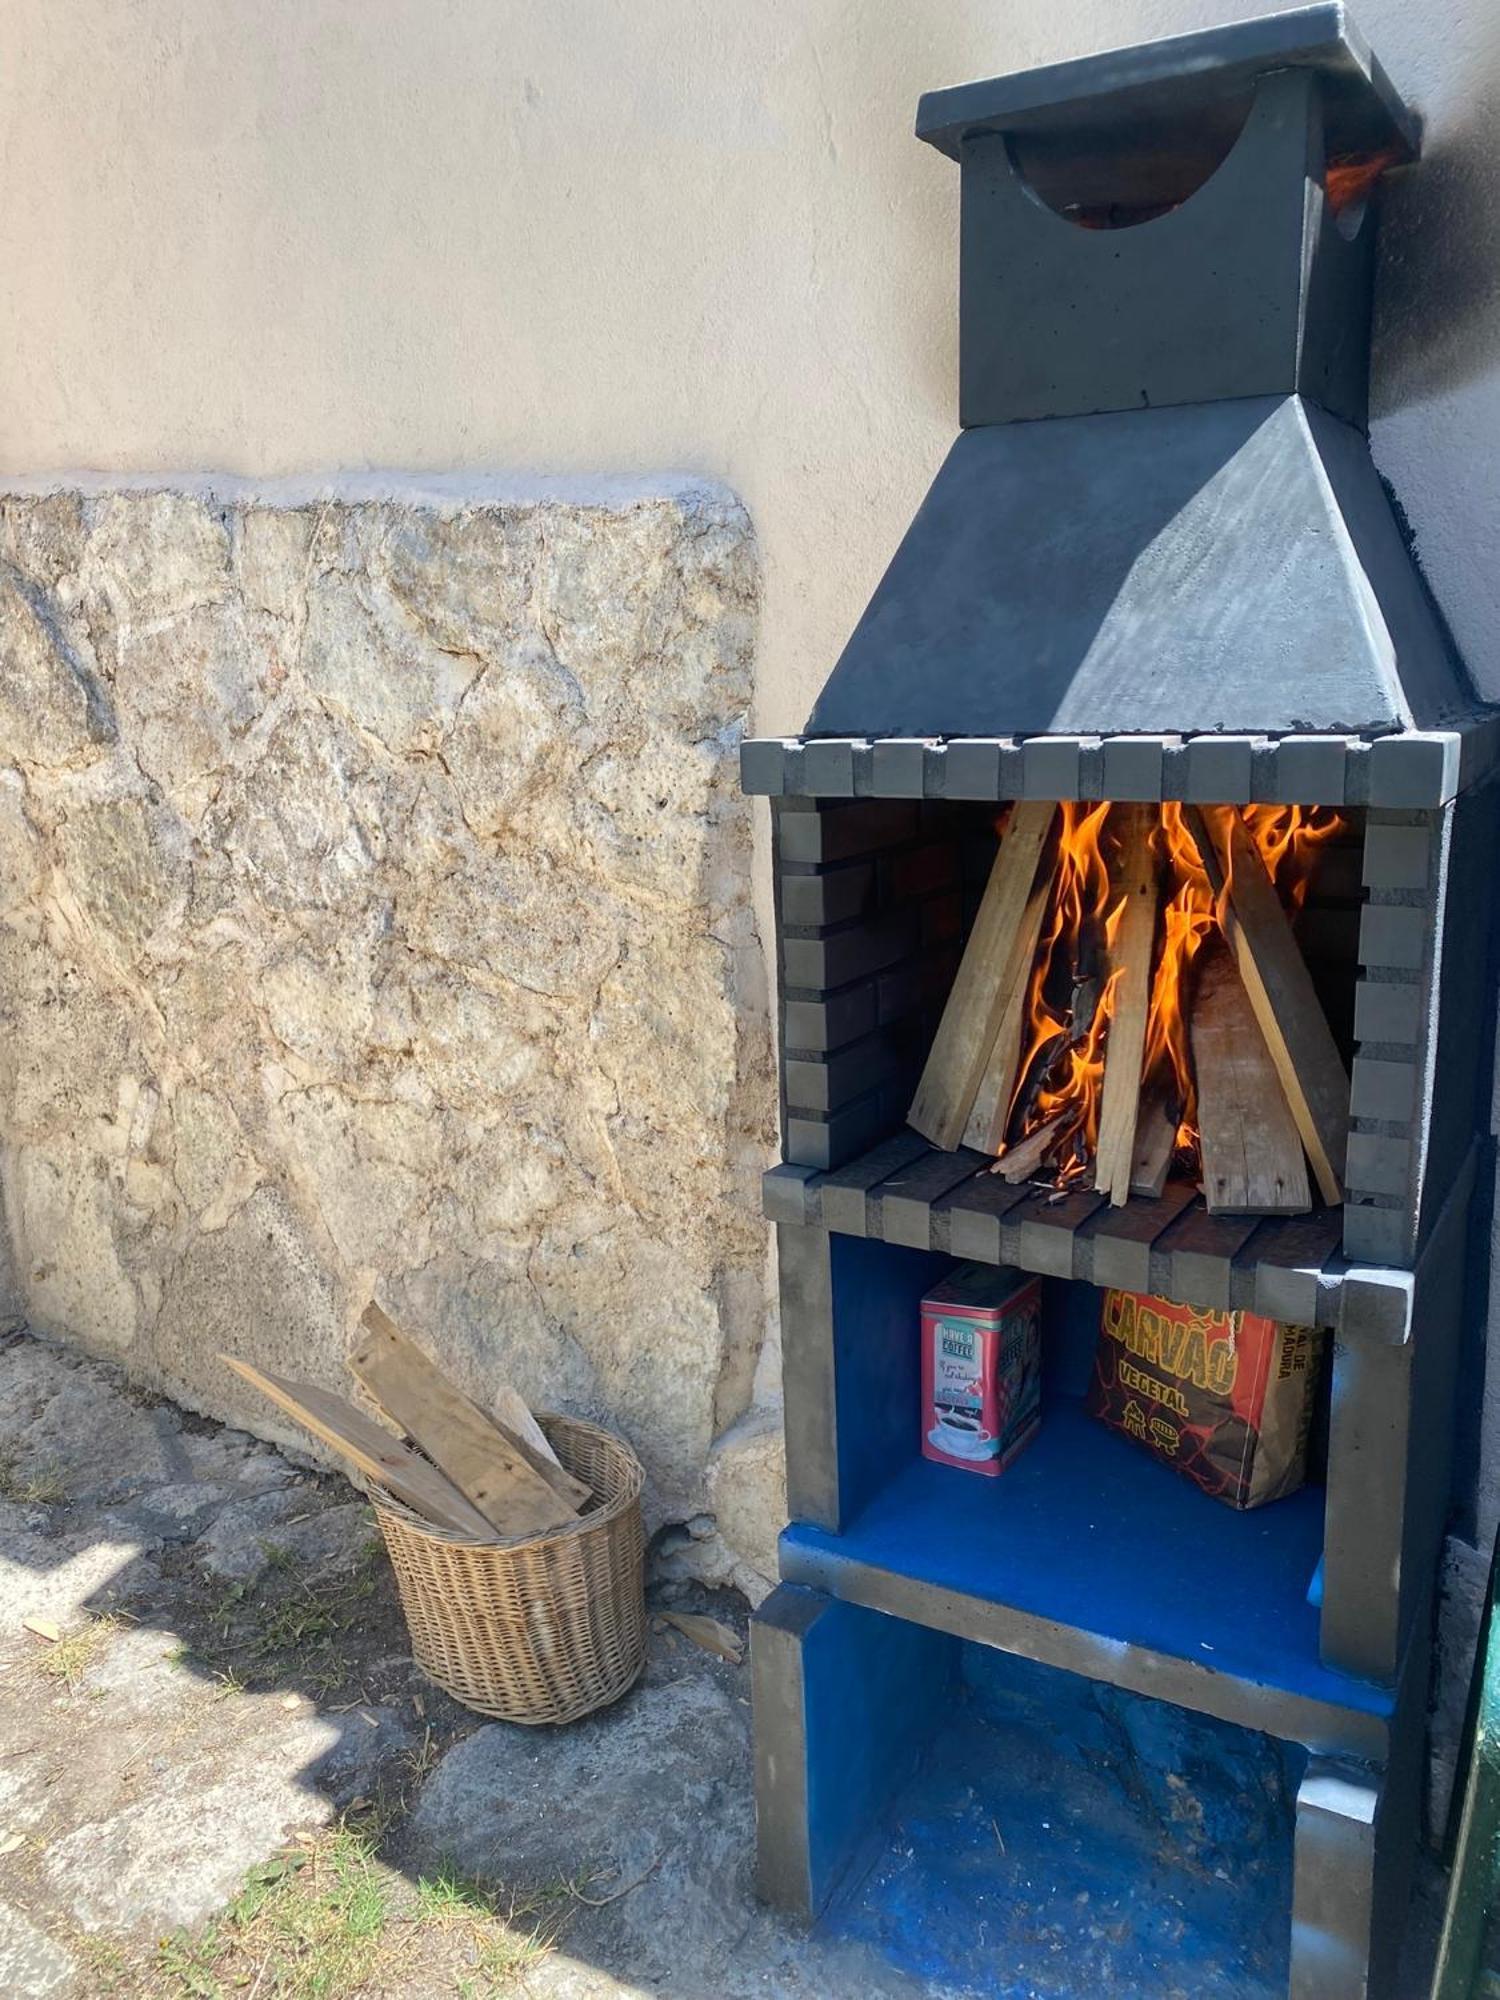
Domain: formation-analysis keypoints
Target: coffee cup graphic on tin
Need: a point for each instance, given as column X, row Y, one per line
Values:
column 962, row 1432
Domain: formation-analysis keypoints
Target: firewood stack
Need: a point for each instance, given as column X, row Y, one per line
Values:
column 484, row 1476
column 1132, row 996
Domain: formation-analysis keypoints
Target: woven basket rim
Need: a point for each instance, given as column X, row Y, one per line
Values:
column 385, row 1502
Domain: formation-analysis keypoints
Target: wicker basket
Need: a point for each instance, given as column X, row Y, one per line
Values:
column 539, row 1630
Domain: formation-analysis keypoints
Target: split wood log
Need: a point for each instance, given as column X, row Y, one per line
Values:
column 1018, row 1162
column 1252, row 1155
column 1131, row 957
column 1156, row 1125
column 513, row 1413
column 1280, row 989
column 985, row 1131
column 469, row 1446
column 987, row 978
column 514, row 1417
column 524, row 1434
column 371, row 1450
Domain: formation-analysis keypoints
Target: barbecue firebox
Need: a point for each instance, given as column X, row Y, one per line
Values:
column 1155, row 624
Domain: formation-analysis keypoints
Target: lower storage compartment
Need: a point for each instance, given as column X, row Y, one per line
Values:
column 1087, row 1543
column 1063, row 1837
column 989, row 1824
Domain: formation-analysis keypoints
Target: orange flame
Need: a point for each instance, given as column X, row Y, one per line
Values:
column 1188, row 922
column 1349, row 180
column 1072, row 990
column 1062, row 1067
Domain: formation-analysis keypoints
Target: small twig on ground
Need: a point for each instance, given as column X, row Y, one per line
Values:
column 598, row 1902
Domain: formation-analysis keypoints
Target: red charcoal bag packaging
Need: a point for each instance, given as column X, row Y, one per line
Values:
column 981, row 1367
column 1224, row 1397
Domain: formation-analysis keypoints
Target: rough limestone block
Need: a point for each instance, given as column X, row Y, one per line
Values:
column 375, row 917
column 747, row 1489
column 32, row 1966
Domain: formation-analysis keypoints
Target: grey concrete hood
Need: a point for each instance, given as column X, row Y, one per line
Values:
column 1230, row 566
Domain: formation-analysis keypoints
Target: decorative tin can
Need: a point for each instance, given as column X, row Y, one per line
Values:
column 981, row 1367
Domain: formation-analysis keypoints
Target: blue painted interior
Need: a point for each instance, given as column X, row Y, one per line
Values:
column 1064, row 1839
column 1087, row 1529
column 877, row 1294
column 874, row 1690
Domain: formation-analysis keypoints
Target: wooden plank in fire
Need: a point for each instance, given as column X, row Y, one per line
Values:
column 1131, row 957
column 1252, row 1154
column 1280, row 989
column 987, row 976
column 1155, row 1143
column 985, row 1130
column 1020, row 1161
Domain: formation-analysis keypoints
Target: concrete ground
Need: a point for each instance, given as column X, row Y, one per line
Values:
column 221, row 1774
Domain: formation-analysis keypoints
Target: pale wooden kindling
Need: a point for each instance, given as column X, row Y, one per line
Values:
column 1280, row 990
column 1155, row 1143
column 521, row 1430
column 982, row 992
column 513, row 1413
column 1022, row 1159
column 474, row 1452
column 985, row 1131
column 372, row 1451
column 1253, row 1162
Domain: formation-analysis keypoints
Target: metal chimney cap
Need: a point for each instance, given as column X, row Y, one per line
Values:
column 1183, row 89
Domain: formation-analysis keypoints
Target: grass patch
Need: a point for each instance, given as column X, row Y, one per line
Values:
column 69, row 1658
column 107, row 1965
column 309, row 1924
column 43, row 1486
column 451, row 1898
column 503, row 1936
column 324, row 1921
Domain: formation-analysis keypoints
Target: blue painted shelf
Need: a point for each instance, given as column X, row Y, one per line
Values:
column 1089, row 1555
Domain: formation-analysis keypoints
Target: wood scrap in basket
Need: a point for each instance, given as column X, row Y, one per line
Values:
column 483, row 1460
column 485, row 1478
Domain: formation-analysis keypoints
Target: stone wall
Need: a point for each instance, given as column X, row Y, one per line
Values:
column 375, row 902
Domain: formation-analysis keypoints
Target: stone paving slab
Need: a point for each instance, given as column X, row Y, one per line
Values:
column 654, row 1792
column 32, row 1967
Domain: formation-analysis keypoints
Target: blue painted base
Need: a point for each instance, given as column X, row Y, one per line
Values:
column 1086, row 1529
column 1065, row 1839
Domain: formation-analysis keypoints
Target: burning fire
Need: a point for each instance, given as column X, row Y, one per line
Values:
column 1350, row 180
column 1073, row 987
column 1068, row 1006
